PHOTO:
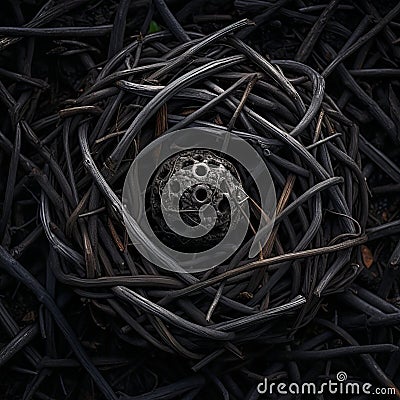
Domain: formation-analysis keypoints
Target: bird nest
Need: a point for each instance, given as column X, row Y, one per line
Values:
column 156, row 86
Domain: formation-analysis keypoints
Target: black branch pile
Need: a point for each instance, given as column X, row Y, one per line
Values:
column 84, row 87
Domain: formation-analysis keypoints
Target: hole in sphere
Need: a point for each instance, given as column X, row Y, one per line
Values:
column 201, row 170
column 223, row 205
column 201, row 194
column 174, row 186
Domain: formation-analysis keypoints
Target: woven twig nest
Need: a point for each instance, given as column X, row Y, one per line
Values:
column 156, row 85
